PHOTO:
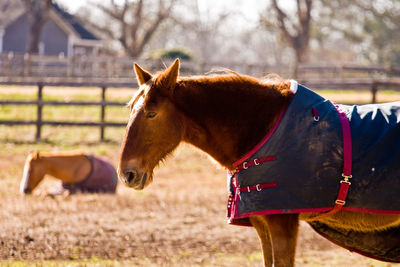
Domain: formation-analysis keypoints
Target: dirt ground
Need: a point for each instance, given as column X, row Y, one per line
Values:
column 178, row 221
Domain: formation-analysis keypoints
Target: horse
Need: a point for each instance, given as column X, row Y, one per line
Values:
column 77, row 172
column 226, row 116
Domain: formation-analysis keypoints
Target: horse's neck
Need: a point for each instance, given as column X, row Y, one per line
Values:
column 227, row 125
column 66, row 168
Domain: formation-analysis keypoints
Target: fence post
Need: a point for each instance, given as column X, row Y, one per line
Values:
column 39, row 111
column 109, row 68
column 71, row 65
column 103, row 111
column 374, row 90
column 27, row 65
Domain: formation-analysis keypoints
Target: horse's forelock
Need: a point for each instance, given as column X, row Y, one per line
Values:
column 143, row 90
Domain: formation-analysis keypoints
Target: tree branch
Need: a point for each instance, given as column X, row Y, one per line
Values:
column 281, row 16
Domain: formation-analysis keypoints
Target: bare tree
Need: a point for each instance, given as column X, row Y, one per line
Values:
column 203, row 29
column 135, row 23
column 373, row 25
column 9, row 10
column 38, row 11
column 296, row 33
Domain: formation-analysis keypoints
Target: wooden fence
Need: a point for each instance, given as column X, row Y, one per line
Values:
column 40, row 103
column 107, row 67
column 372, row 85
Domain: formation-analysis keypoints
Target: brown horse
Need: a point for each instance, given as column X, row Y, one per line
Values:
column 77, row 172
column 225, row 116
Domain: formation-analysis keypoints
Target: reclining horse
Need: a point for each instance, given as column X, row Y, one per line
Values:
column 290, row 154
column 77, row 172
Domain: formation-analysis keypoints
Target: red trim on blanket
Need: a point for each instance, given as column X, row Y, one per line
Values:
column 257, row 187
column 347, row 151
column 279, row 211
column 263, row 141
column 291, row 211
column 347, row 161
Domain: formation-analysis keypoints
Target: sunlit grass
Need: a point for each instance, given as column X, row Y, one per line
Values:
column 14, row 112
column 118, row 114
column 62, row 134
column 351, row 97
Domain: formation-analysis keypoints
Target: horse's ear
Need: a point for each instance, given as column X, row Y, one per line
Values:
column 141, row 75
column 170, row 76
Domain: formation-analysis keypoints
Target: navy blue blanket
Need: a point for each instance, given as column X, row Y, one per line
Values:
column 305, row 173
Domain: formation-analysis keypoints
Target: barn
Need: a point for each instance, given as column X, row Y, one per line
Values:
column 62, row 34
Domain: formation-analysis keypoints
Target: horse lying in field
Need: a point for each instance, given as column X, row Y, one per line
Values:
column 290, row 155
column 77, row 172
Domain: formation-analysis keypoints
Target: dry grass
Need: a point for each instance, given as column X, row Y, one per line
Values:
column 178, row 221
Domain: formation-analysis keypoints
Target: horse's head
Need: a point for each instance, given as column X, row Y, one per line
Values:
column 154, row 128
column 32, row 175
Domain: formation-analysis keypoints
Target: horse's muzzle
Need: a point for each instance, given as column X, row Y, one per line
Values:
column 26, row 191
column 133, row 178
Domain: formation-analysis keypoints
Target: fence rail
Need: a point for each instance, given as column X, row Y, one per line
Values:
column 40, row 103
column 372, row 85
column 107, row 67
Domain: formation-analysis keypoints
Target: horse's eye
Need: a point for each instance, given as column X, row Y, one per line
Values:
column 151, row 114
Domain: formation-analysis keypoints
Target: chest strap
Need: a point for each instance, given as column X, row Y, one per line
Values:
column 347, row 160
column 246, row 164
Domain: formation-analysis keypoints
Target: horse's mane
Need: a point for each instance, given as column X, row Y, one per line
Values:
column 230, row 98
column 224, row 80
column 221, row 76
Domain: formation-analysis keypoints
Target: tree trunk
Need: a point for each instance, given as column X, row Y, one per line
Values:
column 298, row 40
column 301, row 57
column 35, row 30
column 37, row 11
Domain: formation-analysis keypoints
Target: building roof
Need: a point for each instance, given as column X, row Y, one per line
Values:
column 77, row 25
column 10, row 10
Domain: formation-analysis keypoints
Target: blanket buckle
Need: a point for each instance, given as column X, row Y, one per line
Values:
column 340, row 202
column 346, row 179
column 245, row 166
column 238, row 192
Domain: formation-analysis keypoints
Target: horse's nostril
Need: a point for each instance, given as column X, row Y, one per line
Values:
column 130, row 175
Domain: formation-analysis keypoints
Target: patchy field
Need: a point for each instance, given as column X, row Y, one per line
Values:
column 178, row 221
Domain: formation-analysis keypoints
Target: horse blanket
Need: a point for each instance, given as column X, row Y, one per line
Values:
column 101, row 179
column 298, row 166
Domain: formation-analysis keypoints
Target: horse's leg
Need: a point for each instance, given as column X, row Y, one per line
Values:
column 261, row 226
column 283, row 229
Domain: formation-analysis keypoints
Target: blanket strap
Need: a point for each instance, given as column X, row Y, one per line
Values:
column 347, row 160
column 246, row 164
column 257, row 187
